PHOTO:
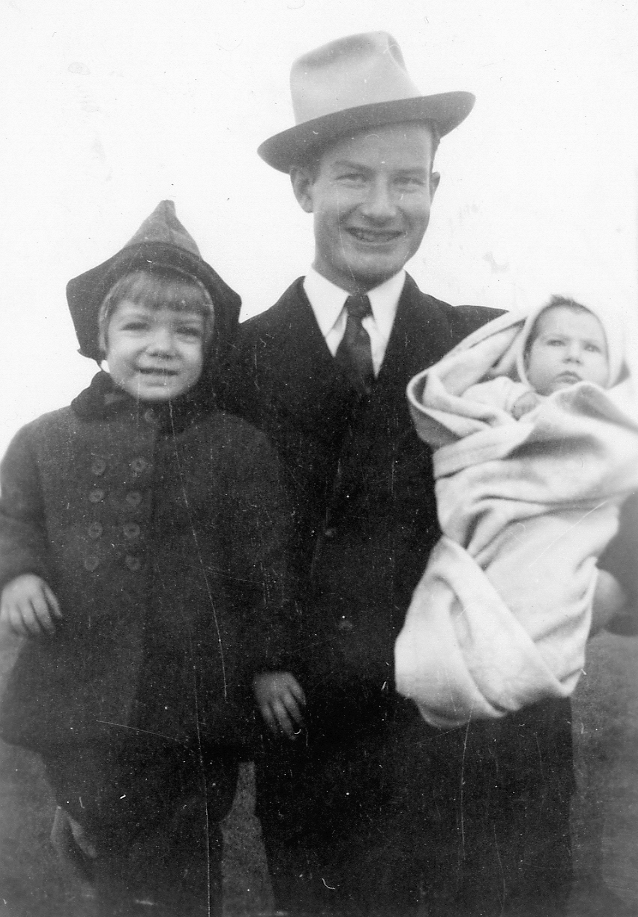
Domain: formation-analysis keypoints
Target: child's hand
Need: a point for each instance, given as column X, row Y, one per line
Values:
column 525, row 404
column 280, row 699
column 29, row 607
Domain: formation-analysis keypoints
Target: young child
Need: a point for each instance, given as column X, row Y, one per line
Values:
column 502, row 614
column 561, row 345
column 142, row 558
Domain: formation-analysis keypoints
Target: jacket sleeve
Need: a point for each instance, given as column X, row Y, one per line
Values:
column 260, row 532
column 23, row 541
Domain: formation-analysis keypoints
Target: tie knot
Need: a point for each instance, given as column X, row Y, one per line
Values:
column 358, row 306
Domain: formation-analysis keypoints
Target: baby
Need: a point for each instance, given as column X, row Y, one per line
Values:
column 565, row 344
column 513, row 589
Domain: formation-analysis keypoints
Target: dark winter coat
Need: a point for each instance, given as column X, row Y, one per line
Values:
column 161, row 532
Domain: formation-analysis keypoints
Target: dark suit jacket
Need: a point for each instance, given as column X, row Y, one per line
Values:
column 360, row 479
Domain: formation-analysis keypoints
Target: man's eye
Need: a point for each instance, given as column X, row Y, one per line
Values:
column 352, row 178
column 134, row 326
column 410, row 181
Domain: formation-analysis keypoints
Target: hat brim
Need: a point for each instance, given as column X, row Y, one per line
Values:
column 295, row 145
column 86, row 293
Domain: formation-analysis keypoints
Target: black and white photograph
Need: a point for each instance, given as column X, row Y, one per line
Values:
column 319, row 458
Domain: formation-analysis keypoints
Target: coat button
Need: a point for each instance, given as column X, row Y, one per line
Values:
column 96, row 496
column 330, row 532
column 98, row 466
column 95, row 530
column 344, row 625
column 131, row 530
column 150, row 416
column 134, row 498
column 132, row 562
column 139, row 464
column 90, row 563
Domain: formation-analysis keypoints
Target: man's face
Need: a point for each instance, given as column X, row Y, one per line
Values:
column 370, row 196
column 569, row 346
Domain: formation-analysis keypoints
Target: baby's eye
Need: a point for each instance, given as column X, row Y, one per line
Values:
column 555, row 342
column 593, row 348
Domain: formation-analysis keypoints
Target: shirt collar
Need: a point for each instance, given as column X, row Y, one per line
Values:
column 327, row 301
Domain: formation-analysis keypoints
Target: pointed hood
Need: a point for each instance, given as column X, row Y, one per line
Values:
column 161, row 242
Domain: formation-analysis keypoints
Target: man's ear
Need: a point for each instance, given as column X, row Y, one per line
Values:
column 302, row 181
column 435, row 178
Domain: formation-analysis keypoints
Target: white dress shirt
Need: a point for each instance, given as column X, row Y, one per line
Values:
column 328, row 301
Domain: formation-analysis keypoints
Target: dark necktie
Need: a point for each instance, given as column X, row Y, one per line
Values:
column 354, row 353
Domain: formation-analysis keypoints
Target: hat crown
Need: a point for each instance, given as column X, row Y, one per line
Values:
column 357, row 70
column 163, row 226
column 357, row 83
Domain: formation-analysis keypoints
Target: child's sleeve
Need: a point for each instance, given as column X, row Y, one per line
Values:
column 23, row 544
column 621, row 560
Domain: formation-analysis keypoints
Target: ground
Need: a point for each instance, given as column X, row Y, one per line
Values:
column 605, row 817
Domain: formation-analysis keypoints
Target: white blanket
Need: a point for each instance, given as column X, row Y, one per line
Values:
column 501, row 616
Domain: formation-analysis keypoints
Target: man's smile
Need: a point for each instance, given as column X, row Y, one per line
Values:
column 375, row 236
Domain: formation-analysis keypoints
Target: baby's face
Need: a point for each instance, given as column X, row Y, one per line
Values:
column 154, row 354
column 569, row 347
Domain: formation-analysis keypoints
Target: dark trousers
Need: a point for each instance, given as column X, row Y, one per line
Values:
column 395, row 816
column 152, row 811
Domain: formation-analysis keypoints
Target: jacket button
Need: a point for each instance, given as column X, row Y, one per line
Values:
column 131, row 530
column 98, row 466
column 150, row 416
column 132, row 562
column 344, row 625
column 134, row 498
column 95, row 530
column 330, row 532
column 139, row 464
column 96, row 496
column 90, row 563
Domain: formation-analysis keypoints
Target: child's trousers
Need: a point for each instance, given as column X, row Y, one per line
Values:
column 152, row 811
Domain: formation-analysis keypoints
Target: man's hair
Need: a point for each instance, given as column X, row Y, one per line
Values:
column 555, row 302
column 161, row 288
column 312, row 160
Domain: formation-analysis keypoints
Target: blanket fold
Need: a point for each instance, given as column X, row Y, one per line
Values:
column 501, row 616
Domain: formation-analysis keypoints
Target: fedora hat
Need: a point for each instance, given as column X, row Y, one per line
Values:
column 160, row 242
column 352, row 84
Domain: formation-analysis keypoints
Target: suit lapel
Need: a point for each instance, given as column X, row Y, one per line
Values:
column 308, row 377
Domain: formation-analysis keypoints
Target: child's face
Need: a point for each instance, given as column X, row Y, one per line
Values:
column 154, row 354
column 569, row 347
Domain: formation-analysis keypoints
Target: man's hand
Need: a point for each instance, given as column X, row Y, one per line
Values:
column 280, row 699
column 29, row 607
column 610, row 600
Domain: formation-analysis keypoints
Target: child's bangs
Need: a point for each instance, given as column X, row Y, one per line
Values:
column 165, row 290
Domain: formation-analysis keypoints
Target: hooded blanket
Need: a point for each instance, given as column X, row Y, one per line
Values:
column 501, row 616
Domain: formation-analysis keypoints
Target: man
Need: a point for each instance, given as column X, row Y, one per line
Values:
column 365, row 809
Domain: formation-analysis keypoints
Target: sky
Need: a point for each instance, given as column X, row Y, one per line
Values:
column 109, row 108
